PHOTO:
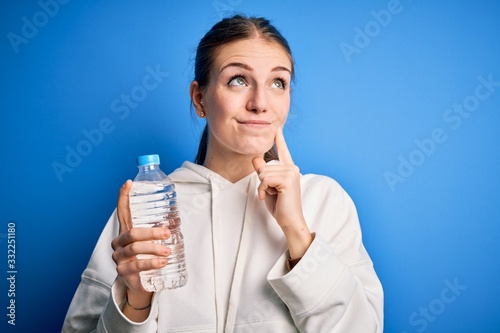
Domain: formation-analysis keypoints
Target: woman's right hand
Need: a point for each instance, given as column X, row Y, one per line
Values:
column 132, row 242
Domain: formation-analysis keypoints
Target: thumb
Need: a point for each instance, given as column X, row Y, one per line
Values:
column 123, row 209
column 258, row 162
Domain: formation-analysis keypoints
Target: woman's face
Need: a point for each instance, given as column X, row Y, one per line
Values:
column 247, row 98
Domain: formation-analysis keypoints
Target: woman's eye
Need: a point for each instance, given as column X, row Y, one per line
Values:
column 237, row 81
column 279, row 83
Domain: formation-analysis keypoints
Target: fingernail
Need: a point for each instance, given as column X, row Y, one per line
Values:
column 165, row 233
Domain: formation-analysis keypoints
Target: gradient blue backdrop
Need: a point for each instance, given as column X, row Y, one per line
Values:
column 371, row 92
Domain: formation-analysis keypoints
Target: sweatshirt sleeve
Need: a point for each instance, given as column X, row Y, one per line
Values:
column 334, row 287
column 113, row 320
column 98, row 299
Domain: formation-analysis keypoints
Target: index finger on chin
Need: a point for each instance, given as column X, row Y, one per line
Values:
column 282, row 149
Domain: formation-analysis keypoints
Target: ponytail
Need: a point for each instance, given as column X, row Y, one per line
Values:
column 202, row 148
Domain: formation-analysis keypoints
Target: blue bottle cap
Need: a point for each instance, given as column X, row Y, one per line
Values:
column 148, row 160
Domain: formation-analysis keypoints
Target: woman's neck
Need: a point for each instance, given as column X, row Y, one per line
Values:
column 232, row 168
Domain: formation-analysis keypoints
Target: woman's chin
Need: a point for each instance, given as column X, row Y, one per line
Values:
column 259, row 151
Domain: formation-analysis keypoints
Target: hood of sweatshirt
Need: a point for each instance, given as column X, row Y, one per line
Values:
column 192, row 173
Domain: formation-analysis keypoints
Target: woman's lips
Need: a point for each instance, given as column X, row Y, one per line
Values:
column 255, row 123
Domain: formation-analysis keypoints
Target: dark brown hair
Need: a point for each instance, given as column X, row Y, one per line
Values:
column 229, row 30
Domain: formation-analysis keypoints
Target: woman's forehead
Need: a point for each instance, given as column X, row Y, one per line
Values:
column 253, row 52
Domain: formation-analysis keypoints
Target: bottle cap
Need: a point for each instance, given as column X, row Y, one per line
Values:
column 148, row 160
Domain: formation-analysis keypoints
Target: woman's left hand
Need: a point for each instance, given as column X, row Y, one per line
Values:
column 280, row 188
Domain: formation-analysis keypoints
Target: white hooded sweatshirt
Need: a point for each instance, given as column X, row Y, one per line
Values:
column 236, row 259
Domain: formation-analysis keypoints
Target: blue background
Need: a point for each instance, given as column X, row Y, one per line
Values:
column 354, row 117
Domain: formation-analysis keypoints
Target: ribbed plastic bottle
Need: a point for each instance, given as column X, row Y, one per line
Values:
column 153, row 204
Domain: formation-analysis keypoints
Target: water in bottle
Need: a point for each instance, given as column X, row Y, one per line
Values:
column 153, row 204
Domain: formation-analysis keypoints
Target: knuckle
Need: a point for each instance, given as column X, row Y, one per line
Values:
column 133, row 249
column 115, row 257
column 139, row 265
column 120, row 270
column 133, row 234
column 114, row 244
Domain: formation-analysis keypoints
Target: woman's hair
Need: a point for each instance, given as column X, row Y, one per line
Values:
column 230, row 30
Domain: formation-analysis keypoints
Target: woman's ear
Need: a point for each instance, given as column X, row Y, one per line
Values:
column 197, row 98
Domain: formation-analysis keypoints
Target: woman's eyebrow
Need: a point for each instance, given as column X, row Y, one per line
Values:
column 249, row 68
column 281, row 68
column 237, row 64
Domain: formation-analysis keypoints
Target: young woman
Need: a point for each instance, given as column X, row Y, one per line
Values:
column 267, row 249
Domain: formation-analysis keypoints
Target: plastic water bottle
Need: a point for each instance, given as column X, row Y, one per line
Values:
column 153, row 204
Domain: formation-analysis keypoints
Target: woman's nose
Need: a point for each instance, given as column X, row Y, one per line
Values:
column 257, row 101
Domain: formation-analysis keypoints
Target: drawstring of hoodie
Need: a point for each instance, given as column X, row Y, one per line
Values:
column 241, row 259
column 216, row 254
